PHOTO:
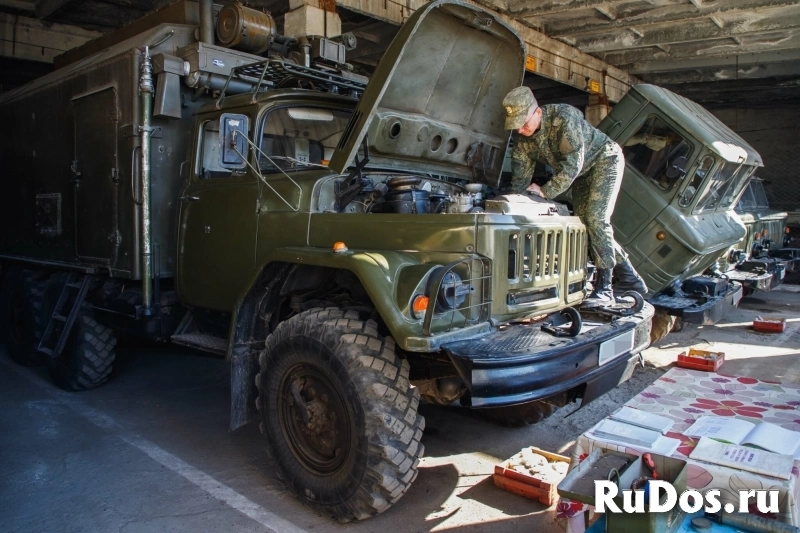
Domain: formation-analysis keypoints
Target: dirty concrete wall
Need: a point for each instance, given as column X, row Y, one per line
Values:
column 775, row 133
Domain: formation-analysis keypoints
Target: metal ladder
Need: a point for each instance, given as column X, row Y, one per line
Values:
column 60, row 324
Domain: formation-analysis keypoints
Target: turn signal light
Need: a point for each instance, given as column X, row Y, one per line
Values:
column 339, row 247
column 661, row 235
column 420, row 305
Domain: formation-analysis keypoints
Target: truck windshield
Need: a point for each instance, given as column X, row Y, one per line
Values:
column 651, row 150
column 725, row 187
column 294, row 137
column 753, row 197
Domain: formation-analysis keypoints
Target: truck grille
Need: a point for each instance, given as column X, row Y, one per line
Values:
column 541, row 253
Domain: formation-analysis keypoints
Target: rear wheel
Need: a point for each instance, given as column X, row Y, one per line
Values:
column 20, row 304
column 339, row 413
column 88, row 356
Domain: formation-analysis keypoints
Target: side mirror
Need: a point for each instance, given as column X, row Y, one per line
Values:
column 677, row 168
column 233, row 130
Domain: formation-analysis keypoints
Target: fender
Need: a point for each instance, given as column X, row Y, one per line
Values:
column 375, row 269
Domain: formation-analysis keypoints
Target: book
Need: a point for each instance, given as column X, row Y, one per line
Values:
column 642, row 419
column 743, row 458
column 646, row 440
column 732, row 430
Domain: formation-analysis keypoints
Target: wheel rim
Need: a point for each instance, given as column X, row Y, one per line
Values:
column 314, row 419
column 17, row 318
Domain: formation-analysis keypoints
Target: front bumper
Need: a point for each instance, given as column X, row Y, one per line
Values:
column 704, row 310
column 521, row 363
column 789, row 256
column 755, row 281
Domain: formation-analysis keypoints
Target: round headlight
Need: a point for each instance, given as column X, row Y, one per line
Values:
column 452, row 293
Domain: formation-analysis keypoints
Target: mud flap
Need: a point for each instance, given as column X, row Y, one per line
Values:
column 244, row 367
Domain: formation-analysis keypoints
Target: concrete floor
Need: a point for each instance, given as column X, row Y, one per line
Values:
column 151, row 452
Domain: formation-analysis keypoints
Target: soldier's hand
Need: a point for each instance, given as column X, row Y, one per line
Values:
column 535, row 189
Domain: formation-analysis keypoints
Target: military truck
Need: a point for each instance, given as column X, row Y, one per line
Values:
column 341, row 243
column 684, row 172
column 750, row 261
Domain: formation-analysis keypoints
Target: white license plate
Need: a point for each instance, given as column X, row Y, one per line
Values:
column 736, row 297
column 613, row 348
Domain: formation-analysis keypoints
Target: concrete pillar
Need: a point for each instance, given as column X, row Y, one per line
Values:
column 597, row 109
column 312, row 17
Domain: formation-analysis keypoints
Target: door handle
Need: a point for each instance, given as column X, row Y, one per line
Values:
column 189, row 198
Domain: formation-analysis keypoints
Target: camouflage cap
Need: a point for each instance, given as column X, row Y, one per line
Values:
column 517, row 103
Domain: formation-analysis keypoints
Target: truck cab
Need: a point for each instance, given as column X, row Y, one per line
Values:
column 684, row 172
column 751, row 261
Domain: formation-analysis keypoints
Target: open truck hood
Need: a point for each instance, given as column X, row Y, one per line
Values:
column 434, row 104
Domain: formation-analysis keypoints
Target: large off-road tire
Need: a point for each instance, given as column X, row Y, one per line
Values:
column 20, row 304
column 519, row 415
column 662, row 324
column 339, row 413
column 88, row 355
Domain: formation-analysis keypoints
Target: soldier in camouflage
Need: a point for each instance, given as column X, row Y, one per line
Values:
column 584, row 160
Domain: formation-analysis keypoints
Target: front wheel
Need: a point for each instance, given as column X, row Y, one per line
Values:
column 339, row 413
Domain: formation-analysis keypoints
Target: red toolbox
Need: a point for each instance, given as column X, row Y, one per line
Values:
column 769, row 324
column 701, row 360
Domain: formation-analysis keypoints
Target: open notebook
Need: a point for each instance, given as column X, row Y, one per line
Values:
column 736, row 431
column 743, row 458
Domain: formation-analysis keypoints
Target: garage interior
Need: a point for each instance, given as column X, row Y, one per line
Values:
column 151, row 450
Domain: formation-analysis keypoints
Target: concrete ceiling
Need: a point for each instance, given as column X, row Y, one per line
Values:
column 717, row 52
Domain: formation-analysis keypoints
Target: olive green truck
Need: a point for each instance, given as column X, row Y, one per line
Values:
column 342, row 243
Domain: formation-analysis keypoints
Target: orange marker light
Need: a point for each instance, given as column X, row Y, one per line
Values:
column 420, row 304
column 661, row 235
column 339, row 247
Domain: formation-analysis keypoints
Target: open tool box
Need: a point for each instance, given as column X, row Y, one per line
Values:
column 602, row 465
column 519, row 482
column 701, row 360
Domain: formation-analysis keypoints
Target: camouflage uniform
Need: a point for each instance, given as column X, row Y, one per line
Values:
column 582, row 157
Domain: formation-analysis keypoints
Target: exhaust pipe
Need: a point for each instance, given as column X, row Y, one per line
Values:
column 207, row 21
column 146, row 103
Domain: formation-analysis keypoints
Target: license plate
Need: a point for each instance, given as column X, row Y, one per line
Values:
column 736, row 297
column 613, row 348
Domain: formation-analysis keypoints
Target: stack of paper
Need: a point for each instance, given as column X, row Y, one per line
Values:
column 643, row 419
column 637, row 437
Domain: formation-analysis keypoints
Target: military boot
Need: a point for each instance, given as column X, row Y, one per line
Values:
column 602, row 295
column 627, row 279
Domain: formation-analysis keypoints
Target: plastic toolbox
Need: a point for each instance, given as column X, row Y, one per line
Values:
column 769, row 324
column 526, row 485
column 701, row 360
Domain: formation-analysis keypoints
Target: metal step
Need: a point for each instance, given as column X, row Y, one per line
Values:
column 200, row 341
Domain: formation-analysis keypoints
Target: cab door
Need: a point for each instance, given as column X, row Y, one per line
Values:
column 218, row 225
